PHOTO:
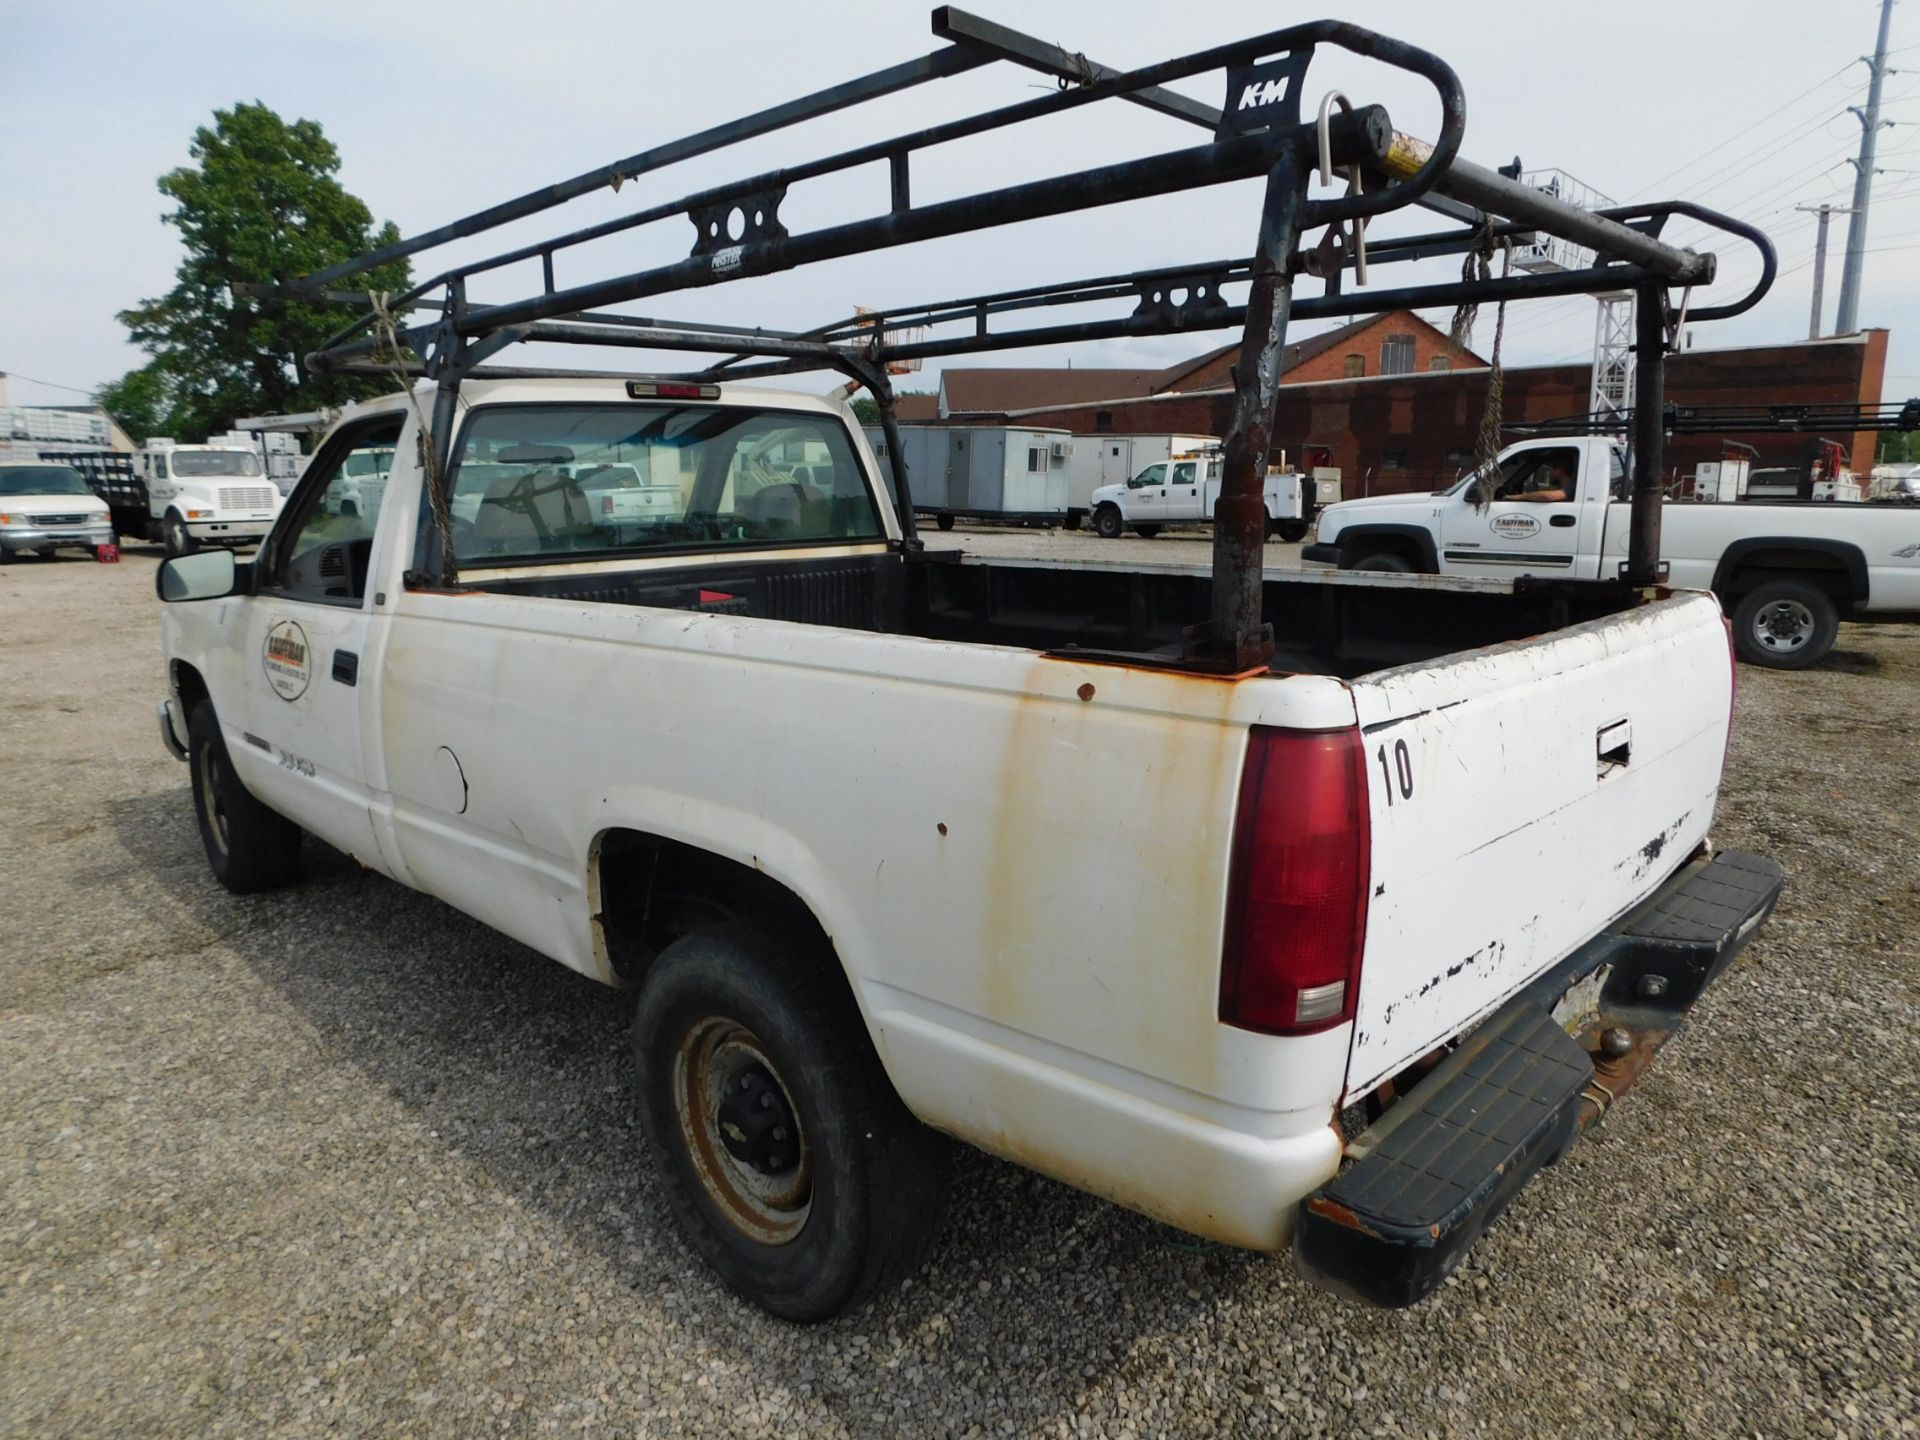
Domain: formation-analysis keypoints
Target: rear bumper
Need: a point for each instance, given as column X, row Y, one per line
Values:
column 1321, row 554
column 1442, row 1164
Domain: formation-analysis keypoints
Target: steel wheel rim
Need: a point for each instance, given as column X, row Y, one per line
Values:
column 1783, row 626
column 209, row 771
column 712, row 1060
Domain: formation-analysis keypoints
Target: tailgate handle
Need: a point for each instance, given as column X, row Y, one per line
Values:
column 1613, row 747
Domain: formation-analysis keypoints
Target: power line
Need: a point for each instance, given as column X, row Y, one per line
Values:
column 50, row 384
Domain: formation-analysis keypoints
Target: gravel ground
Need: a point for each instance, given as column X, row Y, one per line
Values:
column 340, row 1160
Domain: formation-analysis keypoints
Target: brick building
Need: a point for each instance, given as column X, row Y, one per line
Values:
column 1415, row 428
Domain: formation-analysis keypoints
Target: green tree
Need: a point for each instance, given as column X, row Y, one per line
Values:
column 262, row 201
column 140, row 400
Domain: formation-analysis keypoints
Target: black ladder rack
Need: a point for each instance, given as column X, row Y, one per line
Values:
column 1261, row 130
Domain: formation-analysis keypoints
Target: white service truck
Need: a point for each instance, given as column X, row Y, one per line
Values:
column 846, row 871
column 1787, row 572
column 213, row 494
column 1183, row 489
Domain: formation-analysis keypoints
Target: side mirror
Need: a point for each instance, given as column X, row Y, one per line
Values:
column 204, row 575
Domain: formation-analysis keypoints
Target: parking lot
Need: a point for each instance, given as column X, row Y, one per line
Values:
column 339, row 1159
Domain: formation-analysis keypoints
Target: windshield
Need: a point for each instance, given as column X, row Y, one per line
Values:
column 723, row 475
column 41, row 480
column 215, row 462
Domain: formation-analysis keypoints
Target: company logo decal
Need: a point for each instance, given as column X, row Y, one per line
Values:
column 287, row 660
column 1515, row 527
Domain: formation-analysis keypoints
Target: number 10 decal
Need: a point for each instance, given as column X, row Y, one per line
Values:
column 1399, row 774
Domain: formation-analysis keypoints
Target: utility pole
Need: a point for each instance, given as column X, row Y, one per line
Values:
column 1819, row 264
column 1845, row 321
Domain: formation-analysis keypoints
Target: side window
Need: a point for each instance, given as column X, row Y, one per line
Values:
column 1355, row 367
column 324, row 551
column 1396, row 355
column 160, row 466
column 1036, row 459
column 1183, row 474
column 1152, row 475
column 1617, row 474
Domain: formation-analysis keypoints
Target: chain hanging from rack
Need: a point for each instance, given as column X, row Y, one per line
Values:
column 392, row 354
column 1479, row 266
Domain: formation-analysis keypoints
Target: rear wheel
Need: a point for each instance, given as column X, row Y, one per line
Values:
column 1292, row 530
column 1380, row 560
column 1146, row 532
column 792, row 1166
column 249, row 847
column 1785, row 625
column 945, row 522
column 175, row 535
column 1108, row 521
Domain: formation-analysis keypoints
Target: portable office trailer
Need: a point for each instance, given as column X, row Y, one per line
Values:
column 985, row 472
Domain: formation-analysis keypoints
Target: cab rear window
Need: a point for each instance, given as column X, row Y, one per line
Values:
column 532, row 482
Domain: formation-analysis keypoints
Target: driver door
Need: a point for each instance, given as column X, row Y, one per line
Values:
column 1147, row 496
column 307, row 630
column 1507, row 536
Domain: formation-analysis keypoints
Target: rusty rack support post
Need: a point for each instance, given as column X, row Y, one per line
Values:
column 1649, row 435
column 1236, row 638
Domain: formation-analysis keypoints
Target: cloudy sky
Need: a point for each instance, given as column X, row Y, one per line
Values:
column 439, row 110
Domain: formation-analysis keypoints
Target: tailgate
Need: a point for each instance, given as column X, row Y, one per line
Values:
column 1522, row 797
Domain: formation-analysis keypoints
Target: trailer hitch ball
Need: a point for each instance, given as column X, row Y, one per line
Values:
column 1616, row 1042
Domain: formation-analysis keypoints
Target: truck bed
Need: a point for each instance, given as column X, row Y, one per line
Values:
column 1343, row 625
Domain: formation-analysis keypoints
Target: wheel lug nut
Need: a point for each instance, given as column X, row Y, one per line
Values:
column 779, row 1132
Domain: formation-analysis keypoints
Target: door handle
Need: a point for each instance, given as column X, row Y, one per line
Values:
column 1560, row 522
column 346, row 667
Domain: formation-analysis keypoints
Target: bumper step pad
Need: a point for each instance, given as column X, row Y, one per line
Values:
column 1441, row 1165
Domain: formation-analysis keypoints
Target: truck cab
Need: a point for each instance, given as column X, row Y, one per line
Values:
column 207, row 495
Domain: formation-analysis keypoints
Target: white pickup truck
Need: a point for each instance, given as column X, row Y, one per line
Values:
column 835, row 808
column 1184, row 490
column 1787, row 572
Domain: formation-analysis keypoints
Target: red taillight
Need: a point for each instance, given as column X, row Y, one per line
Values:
column 606, row 504
column 1297, row 894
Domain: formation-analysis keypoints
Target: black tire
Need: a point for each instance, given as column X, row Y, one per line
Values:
column 175, row 536
column 349, row 510
column 1146, row 532
column 1109, row 523
column 1291, row 531
column 1074, row 518
column 1785, row 625
column 1379, row 560
column 856, row 1205
column 945, row 522
column 249, row 847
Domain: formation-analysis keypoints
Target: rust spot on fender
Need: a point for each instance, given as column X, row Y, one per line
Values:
column 1085, row 692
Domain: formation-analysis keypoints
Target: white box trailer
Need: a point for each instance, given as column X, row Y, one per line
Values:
column 985, row 472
